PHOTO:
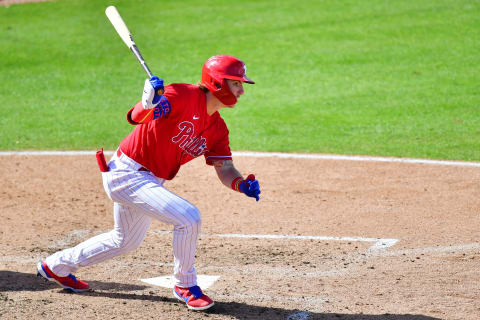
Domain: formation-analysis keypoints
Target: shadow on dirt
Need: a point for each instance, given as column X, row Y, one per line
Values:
column 18, row 281
column 244, row 311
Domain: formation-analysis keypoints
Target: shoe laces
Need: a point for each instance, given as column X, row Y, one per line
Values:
column 72, row 277
column 196, row 291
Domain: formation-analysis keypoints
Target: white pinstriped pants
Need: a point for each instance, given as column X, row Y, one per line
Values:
column 138, row 197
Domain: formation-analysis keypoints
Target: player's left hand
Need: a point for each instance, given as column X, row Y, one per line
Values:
column 150, row 96
column 250, row 187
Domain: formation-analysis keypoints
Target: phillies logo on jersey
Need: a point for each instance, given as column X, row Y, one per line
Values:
column 194, row 146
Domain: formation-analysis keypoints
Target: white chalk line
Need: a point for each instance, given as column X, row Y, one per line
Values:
column 431, row 250
column 379, row 243
column 273, row 155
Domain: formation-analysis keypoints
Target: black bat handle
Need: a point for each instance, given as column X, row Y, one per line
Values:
column 140, row 59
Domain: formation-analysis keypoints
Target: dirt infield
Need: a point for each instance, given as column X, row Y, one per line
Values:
column 425, row 265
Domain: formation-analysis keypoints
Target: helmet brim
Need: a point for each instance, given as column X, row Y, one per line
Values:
column 243, row 79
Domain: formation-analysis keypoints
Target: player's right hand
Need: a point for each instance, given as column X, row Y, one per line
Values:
column 250, row 187
column 150, row 97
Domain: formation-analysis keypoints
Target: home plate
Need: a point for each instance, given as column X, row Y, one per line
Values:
column 169, row 281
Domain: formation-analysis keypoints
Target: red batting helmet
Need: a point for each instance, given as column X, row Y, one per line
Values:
column 221, row 67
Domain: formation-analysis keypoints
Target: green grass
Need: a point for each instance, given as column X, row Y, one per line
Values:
column 373, row 77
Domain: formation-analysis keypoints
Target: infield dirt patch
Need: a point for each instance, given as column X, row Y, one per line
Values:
column 432, row 272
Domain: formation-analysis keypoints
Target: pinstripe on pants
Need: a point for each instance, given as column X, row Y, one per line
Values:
column 138, row 197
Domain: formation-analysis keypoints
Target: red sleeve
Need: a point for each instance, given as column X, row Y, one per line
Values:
column 138, row 114
column 221, row 149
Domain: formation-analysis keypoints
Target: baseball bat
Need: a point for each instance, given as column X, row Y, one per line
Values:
column 122, row 30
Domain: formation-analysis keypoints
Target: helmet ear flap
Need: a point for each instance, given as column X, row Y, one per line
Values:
column 223, row 93
column 210, row 82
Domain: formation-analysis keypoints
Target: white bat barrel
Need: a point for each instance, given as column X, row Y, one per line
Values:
column 122, row 30
column 119, row 25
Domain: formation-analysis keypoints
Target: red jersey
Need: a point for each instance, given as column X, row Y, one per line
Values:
column 175, row 132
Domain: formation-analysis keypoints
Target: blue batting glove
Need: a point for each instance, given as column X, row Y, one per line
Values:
column 157, row 84
column 250, row 187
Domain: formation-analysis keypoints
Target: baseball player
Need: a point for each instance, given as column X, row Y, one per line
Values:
column 170, row 130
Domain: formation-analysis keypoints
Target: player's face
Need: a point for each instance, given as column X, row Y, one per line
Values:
column 236, row 87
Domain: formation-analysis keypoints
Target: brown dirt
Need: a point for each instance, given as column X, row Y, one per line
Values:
column 48, row 203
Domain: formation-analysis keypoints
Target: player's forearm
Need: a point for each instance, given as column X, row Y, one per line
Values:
column 227, row 172
column 233, row 179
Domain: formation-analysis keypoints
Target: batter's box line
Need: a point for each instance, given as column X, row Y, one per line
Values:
column 378, row 243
